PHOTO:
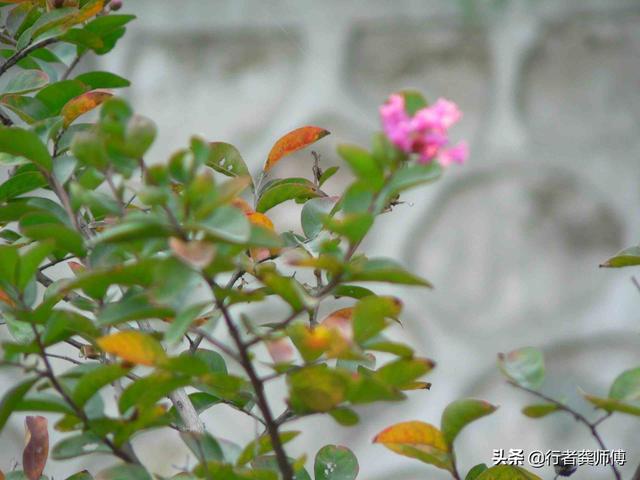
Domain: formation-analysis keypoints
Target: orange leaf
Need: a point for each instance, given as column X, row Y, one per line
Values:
column 261, row 220
column 292, row 142
column 341, row 321
column 34, row 456
column 6, row 298
column 88, row 11
column 133, row 347
column 418, row 440
column 82, row 104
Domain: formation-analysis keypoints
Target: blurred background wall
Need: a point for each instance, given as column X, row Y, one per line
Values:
column 512, row 241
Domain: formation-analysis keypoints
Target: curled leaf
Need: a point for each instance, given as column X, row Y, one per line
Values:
column 197, row 253
column 292, row 142
column 34, row 456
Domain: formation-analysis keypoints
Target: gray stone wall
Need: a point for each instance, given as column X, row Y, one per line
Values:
column 512, row 241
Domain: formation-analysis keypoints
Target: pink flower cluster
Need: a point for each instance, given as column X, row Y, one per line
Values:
column 426, row 132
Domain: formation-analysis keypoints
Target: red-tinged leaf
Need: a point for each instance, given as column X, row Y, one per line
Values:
column 280, row 350
column 196, row 253
column 4, row 298
column 90, row 10
column 342, row 322
column 133, row 347
column 417, row 440
column 292, row 142
column 82, row 104
column 34, row 456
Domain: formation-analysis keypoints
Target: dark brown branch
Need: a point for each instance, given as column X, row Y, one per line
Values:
column 5, row 120
column 19, row 55
column 592, row 426
column 258, row 386
column 79, row 412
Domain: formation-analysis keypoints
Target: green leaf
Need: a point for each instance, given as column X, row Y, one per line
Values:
column 79, row 445
column 407, row 177
column 46, row 227
column 279, row 191
column 624, row 395
column 103, row 80
column 140, row 134
column 20, row 184
column 626, row 387
column 327, row 174
column 540, row 410
column 204, row 446
column 91, row 383
column 84, row 475
column 461, row 413
column 362, row 164
column 226, row 159
column 612, row 405
column 344, row 416
column 29, row 109
column 25, row 82
column 227, row 224
column 475, row 472
column 334, row 462
column 524, row 366
column 507, row 472
column 23, row 143
column 316, row 389
column 263, row 445
column 30, row 262
column 413, row 101
column 145, row 392
column 124, row 472
column 12, row 398
column 353, row 226
column 57, row 95
column 370, row 314
column 314, row 213
column 383, row 270
column 629, row 257
column 404, row 371
column 181, row 323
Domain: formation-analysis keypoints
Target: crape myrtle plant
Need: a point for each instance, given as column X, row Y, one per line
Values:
column 102, row 252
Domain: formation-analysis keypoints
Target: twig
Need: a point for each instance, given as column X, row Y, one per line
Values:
column 592, row 426
column 5, row 120
column 16, row 57
column 73, row 65
column 79, row 412
column 261, row 399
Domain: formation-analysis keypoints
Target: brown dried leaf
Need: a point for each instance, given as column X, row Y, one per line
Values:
column 34, row 456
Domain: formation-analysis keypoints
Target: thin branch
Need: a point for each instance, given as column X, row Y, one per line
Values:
column 73, row 65
column 79, row 412
column 258, row 387
column 5, row 120
column 16, row 57
column 592, row 426
column 4, row 38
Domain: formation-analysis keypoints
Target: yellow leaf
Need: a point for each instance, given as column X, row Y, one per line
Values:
column 90, row 10
column 82, row 104
column 418, row 440
column 292, row 142
column 133, row 347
